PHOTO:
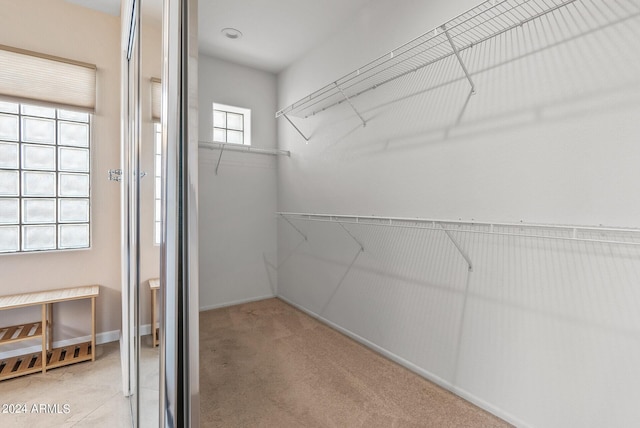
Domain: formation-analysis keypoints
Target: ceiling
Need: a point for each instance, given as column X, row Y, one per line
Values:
column 275, row 32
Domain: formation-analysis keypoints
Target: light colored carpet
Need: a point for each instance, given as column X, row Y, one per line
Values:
column 267, row 364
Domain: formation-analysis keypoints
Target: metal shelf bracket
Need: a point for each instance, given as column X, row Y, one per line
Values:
column 455, row 51
column 353, row 237
column 458, row 247
column 219, row 158
column 346, row 98
column 295, row 127
column 294, row 226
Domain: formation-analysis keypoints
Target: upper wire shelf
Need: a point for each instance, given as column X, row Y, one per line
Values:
column 479, row 24
column 214, row 145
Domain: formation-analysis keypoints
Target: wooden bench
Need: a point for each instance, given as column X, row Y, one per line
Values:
column 52, row 358
column 154, row 285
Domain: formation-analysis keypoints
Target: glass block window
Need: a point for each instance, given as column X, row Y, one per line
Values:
column 157, row 211
column 231, row 124
column 44, row 178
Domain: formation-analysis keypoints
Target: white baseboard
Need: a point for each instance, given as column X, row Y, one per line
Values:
column 414, row 368
column 235, row 302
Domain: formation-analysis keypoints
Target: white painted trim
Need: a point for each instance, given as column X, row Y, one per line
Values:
column 414, row 368
column 236, row 302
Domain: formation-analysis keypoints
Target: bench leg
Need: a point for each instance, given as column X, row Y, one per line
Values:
column 50, row 326
column 154, row 339
column 93, row 329
column 44, row 338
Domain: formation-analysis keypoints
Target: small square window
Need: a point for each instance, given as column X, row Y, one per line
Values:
column 231, row 124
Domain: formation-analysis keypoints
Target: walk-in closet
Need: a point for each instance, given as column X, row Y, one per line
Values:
column 451, row 185
column 320, row 213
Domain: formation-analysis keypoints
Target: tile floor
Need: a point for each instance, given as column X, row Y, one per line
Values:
column 92, row 391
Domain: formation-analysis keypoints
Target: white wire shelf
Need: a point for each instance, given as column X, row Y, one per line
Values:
column 561, row 20
column 214, row 145
column 594, row 234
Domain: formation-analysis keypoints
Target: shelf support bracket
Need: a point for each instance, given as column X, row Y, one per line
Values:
column 455, row 51
column 219, row 159
column 351, row 235
column 294, row 226
column 458, row 247
column 346, row 98
column 295, row 127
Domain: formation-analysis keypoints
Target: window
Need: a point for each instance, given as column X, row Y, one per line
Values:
column 231, row 124
column 157, row 237
column 44, row 178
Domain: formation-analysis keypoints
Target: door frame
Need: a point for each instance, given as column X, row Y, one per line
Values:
column 130, row 188
column 179, row 309
column 179, row 350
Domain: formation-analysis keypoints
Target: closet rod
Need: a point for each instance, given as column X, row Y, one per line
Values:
column 493, row 228
column 214, row 145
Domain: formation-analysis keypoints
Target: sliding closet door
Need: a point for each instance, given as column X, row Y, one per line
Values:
column 130, row 202
column 179, row 386
column 179, row 374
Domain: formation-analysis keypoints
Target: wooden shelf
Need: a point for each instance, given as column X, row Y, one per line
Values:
column 17, row 333
column 49, row 296
column 67, row 355
column 32, row 363
column 21, row 365
column 48, row 357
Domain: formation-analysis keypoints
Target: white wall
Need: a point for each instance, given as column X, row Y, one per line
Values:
column 543, row 333
column 237, row 207
column 59, row 28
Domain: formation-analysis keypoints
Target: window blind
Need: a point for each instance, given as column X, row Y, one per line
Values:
column 156, row 99
column 34, row 77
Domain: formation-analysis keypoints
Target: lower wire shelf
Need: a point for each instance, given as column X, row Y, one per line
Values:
column 32, row 362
